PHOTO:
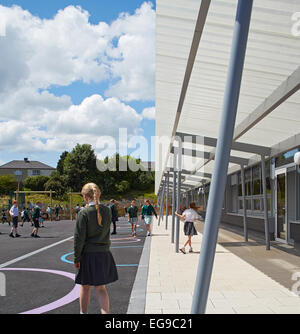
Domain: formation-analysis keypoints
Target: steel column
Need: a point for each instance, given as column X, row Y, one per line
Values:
column 174, row 197
column 167, row 199
column 264, row 184
column 178, row 197
column 218, row 182
column 244, row 204
column 161, row 212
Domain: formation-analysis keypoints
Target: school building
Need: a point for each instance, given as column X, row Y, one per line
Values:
column 228, row 90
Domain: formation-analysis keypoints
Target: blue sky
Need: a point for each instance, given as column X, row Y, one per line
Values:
column 73, row 93
column 100, row 10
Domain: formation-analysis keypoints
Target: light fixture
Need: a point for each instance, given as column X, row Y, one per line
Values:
column 297, row 161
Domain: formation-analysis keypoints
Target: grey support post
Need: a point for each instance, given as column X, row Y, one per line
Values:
column 244, row 203
column 263, row 172
column 174, row 197
column 218, row 182
column 167, row 199
column 161, row 211
column 178, row 198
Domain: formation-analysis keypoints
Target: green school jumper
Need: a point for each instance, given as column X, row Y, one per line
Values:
column 88, row 235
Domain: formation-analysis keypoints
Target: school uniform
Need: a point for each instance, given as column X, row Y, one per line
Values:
column 133, row 213
column 114, row 219
column 36, row 216
column 92, row 248
column 147, row 212
column 14, row 212
column 190, row 216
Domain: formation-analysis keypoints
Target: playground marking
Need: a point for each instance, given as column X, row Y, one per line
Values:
column 67, row 299
column 33, row 253
column 64, row 259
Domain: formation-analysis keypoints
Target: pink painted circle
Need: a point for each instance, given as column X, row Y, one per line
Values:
column 67, row 299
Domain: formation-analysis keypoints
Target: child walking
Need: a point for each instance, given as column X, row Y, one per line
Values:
column 133, row 217
column 92, row 257
column 189, row 216
column 14, row 213
column 147, row 212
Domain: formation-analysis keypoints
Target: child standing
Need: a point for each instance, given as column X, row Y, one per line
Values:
column 92, row 256
column 36, row 216
column 4, row 218
column 114, row 215
column 133, row 217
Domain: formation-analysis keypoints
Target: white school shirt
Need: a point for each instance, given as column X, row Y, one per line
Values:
column 14, row 211
column 190, row 215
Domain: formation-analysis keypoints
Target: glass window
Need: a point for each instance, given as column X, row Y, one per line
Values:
column 36, row 172
column 240, row 184
column 248, row 182
column 257, row 187
column 256, row 204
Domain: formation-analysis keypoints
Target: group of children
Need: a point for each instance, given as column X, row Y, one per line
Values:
column 32, row 214
column 146, row 215
column 188, row 215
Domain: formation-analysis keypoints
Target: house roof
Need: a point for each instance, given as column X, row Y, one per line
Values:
column 21, row 164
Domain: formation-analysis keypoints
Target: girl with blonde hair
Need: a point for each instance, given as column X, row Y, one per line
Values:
column 92, row 257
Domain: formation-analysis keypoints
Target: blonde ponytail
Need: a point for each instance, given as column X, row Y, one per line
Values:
column 96, row 200
column 93, row 193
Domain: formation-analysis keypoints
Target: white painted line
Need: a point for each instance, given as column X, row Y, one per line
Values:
column 33, row 253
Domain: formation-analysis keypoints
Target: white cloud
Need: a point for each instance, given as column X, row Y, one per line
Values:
column 149, row 113
column 37, row 54
column 93, row 118
column 67, row 48
column 134, row 61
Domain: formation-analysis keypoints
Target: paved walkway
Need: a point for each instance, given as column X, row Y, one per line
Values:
column 246, row 278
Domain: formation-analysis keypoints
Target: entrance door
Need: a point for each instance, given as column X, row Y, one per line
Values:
column 281, row 205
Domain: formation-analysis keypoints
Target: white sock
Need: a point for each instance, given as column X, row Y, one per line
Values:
column 83, row 313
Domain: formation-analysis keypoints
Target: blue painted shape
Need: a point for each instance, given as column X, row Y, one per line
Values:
column 64, row 258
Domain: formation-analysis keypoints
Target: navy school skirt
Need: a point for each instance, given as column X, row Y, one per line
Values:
column 97, row 268
column 189, row 229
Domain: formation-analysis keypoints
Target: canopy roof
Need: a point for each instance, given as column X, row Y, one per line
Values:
column 192, row 55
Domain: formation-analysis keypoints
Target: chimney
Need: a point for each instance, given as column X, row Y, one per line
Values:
column 26, row 160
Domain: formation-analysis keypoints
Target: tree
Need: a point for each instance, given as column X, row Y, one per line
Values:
column 36, row 183
column 61, row 161
column 123, row 187
column 7, row 183
column 80, row 167
column 56, row 183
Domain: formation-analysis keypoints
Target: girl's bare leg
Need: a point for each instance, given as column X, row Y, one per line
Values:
column 102, row 298
column 189, row 241
column 84, row 298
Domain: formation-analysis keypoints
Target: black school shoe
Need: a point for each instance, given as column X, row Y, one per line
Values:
column 17, row 235
column 11, row 235
column 37, row 236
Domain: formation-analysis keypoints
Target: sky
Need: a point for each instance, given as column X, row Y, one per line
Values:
column 75, row 72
